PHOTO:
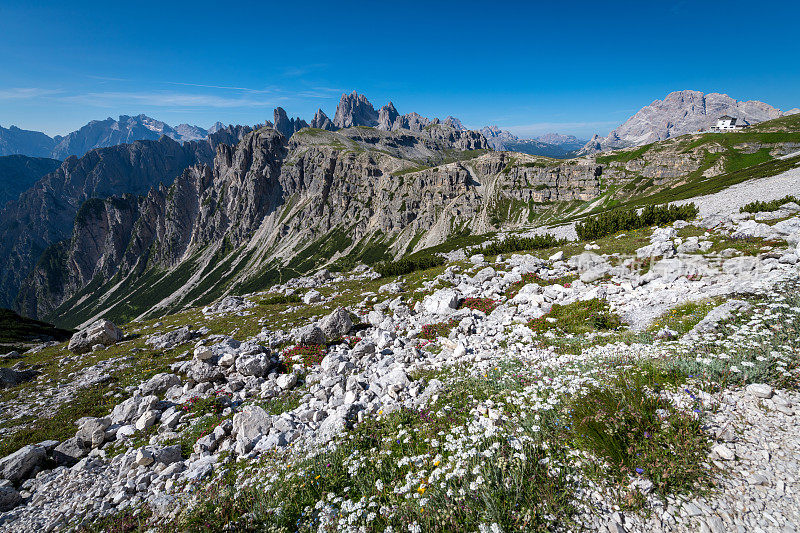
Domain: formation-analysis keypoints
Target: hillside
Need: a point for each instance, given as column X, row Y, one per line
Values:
column 19, row 172
column 376, row 197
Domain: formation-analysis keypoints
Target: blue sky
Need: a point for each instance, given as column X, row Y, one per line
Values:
column 531, row 67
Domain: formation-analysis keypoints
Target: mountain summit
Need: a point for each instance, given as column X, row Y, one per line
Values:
column 679, row 113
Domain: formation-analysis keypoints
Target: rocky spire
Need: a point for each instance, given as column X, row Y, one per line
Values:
column 322, row 121
column 387, row 117
column 355, row 110
column 285, row 125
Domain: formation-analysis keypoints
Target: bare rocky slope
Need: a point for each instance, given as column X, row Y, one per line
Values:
column 44, row 214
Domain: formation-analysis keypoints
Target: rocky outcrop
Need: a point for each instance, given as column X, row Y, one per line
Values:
column 387, row 117
column 321, row 121
column 355, row 110
column 679, row 113
column 287, row 126
column 319, row 194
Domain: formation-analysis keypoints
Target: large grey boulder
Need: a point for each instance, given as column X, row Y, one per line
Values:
column 20, row 464
column 249, row 424
column 441, row 302
column 159, row 384
column 11, row 378
column 257, row 365
column 100, row 332
column 203, row 372
column 92, row 433
column 337, row 324
column 9, row 498
column 310, row 334
column 69, row 452
column 131, row 409
column 170, row 339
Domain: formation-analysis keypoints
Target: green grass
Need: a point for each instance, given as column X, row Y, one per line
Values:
column 91, row 401
column 639, row 434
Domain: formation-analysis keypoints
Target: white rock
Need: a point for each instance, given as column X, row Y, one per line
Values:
column 760, row 390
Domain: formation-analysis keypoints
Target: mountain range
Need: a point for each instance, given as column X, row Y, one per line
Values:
column 95, row 134
column 155, row 225
column 555, row 145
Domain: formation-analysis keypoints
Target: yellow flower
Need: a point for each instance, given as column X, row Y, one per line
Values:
column 436, row 463
column 421, row 489
column 317, row 476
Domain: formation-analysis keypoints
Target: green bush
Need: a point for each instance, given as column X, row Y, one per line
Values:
column 774, row 205
column 578, row 317
column 595, row 227
column 408, row 265
column 514, row 243
column 276, row 299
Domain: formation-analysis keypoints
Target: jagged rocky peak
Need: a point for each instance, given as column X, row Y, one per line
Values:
column 387, row 116
column 321, row 121
column 285, row 125
column 680, row 112
column 454, row 123
column 355, row 110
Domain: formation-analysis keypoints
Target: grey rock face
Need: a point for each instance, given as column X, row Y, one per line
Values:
column 170, row 339
column 387, row 117
column 100, row 332
column 20, row 464
column 355, row 110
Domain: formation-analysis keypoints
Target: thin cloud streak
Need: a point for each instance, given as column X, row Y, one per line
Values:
column 167, row 99
column 26, row 93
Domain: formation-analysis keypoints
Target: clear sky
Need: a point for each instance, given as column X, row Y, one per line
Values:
column 530, row 67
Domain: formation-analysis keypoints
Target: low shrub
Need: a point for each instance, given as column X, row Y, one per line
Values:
column 304, row 354
column 513, row 243
column 487, row 305
column 759, row 206
column 408, row 265
column 275, row 299
column 439, row 329
column 577, row 318
column 595, row 227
